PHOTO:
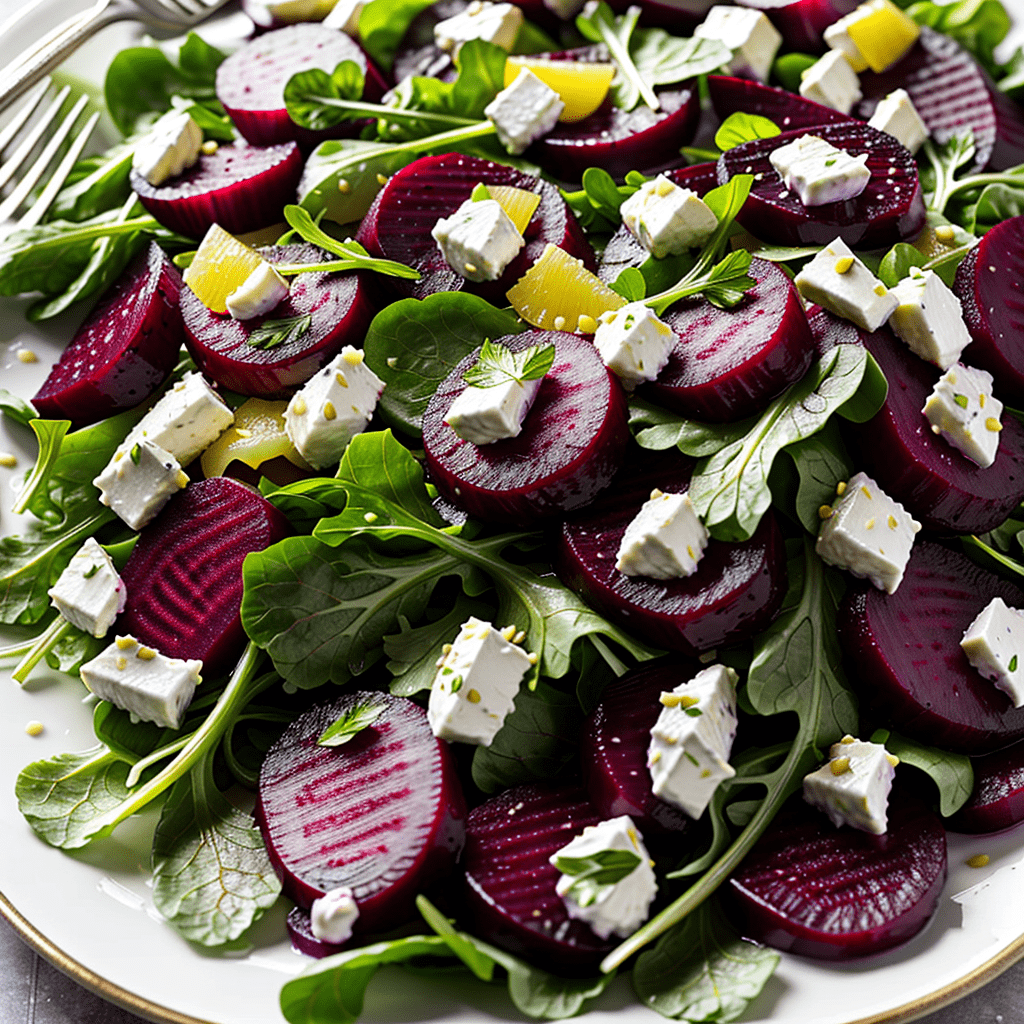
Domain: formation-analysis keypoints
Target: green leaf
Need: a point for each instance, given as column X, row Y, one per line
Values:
column 95, row 185
column 17, row 409
column 597, row 204
column 820, row 462
column 351, row 723
column 383, row 24
column 997, row 202
column 595, row 876
column 664, row 59
column 656, row 429
column 979, row 26
column 49, row 434
column 789, row 69
column 896, row 263
column 129, row 740
column 498, row 364
column 475, row 959
column 272, row 333
column 952, row 773
column 630, row 284
column 306, row 91
column 738, row 128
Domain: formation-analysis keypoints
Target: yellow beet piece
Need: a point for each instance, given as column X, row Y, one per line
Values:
column 582, row 87
column 882, row 33
column 221, row 264
column 519, row 203
column 256, row 436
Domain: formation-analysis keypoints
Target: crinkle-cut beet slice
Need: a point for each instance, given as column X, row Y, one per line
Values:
column 510, row 885
column 889, row 210
column 241, row 188
column 399, row 223
column 339, row 306
column 613, row 748
column 832, row 893
column 997, row 801
column 937, row 483
column 570, row 447
column 736, row 590
column 184, row 576
column 383, row 813
column 124, row 350
column 788, row 110
column 904, row 651
column 802, row 22
column 300, row 931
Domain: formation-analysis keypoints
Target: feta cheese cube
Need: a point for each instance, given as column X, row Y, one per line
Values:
column 138, row 483
column 479, row 240
column 994, row 645
column 524, row 111
column 753, row 39
column 168, row 148
column 332, row 407
column 476, row 683
column 820, row 173
column 665, row 539
column 486, row 415
column 259, row 293
column 616, row 907
column 666, row 219
column 868, row 534
column 837, row 38
column 89, row 593
column 144, row 682
column 852, row 788
column 897, row 116
column 929, row 318
column 332, row 916
column 633, row 343
column 963, row 410
column 837, row 281
column 344, row 15
column 876, row 35
column 692, row 739
column 493, row 23
column 832, row 82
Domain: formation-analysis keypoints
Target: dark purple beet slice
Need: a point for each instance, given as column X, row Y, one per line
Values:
column 699, row 178
column 184, row 576
column 889, row 210
column 787, row 109
column 418, row 54
column 802, row 22
column 938, row 484
column 300, row 931
column 510, row 884
column 241, row 188
column 736, row 590
column 340, row 307
column 905, row 651
column 571, row 445
column 832, row 893
column 613, row 748
column 997, row 801
column 406, row 209
column 679, row 17
column 124, row 350
column 383, row 813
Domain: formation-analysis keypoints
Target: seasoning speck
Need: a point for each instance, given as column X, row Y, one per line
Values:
column 34, row 728
column 979, row 860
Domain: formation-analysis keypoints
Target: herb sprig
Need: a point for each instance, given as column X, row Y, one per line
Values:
column 498, row 365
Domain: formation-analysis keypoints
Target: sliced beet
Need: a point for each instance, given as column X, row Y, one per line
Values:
column 679, row 17
column 418, row 54
column 340, row 308
column 788, row 110
column 801, row 22
column 241, row 188
column 125, row 349
column 832, row 893
column 510, row 885
column 997, row 801
column 300, row 931
column 184, row 576
column 383, row 813
column 905, row 653
column 889, row 210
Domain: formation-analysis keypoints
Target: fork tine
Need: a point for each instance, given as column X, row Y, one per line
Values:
column 22, row 153
column 21, row 117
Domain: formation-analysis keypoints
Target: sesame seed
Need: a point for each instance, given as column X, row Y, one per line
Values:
column 473, row 697
column 840, row 766
column 298, row 406
column 26, row 355
column 34, row 728
column 979, row 860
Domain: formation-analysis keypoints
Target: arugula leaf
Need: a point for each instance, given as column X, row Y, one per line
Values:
column 351, row 724
column 16, row 408
column 272, row 333
column 595, row 876
column 49, row 434
column 738, row 128
column 383, row 24
column 952, row 773
column 656, row 429
column 789, row 69
column 498, row 364
column 597, row 204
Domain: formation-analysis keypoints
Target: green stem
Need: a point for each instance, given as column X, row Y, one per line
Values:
column 396, row 113
column 50, row 434
column 980, row 181
column 154, row 758
column 17, row 650
column 620, row 54
column 44, row 643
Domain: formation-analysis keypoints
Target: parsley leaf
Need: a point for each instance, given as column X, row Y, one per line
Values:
column 595, row 876
column 352, row 722
column 272, row 333
column 498, row 364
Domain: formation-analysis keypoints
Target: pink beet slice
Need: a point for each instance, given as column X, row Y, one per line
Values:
column 241, row 188
column 339, row 307
column 383, row 813
column 905, row 653
column 787, row 109
column 997, row 801
column 124, row 350
column 510, row 885
column 570, row 447
column 184, row 576
column 831, row 893
column 802, row 22
column 889, row 210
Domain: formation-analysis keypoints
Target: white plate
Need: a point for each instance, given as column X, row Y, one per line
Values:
column 92, row 914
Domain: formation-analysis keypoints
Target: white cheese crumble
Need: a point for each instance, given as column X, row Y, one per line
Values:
column 837, row 37
column 929, row 318
column 852, row 788
column 666, row 219
column 963, row 410
column 994, row 645
column 168, row 148
column 524, row 111
column 259, row 293
column 832, row 82
column 633, row 343
column 493, row 23
column 753, row 39
column 344, row 15
column 332, row 916
column 89, row 593
column 897, row 116
column 485, row 415
column 138, row 483
column 479, row 240
column 664, row 541
column 819, row 172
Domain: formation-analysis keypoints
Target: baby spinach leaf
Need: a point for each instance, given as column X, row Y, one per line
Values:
column 952, row 773
column 896, row 263
column 597, row 204
column 664, row 59
column 789, row 69
column 479, row 962
column 738, row 128
column 351, row 723
column 127, row 739
column 103, row 186
column 308, row 95
column 819, row 463
column 997, row 202
column 383, row 23
column 598, row 24
column 630, row 284
column 16, row 408
column 979, row 26
column 656, row 429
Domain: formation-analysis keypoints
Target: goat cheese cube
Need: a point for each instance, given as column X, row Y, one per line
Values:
column 479, row 240
column 664, row 541
column 485, row 415
column 524, row 111
column 344, row 15
column 876, row 35
column 868, row 534
column 332, row 916
column 897, row 116
column 622, row 901
column 137, row 483
column 259, row 293
column 168, row 148
column 753, row 39
column 852, row 788
column 633, row 343
column 666, row 219
column 832, row 82
column 994, row 645
column 89, row 593
column 493, row 23
column 963, row 410
column 929, row 318
column 331, row 408
column 476, row 683
column 837, row 281
column 142, row 681
column 692, row 739
column 820, row 173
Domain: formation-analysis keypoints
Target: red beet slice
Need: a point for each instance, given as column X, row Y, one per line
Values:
column 787, row 109
column 834, row 893
column 383, row 813
column 300, row 931
column 124, row 350
column 889, row 210
column 340, row 308
column 571, row 445
column 802, row 22
column 241, row 188
column 997, row 801
column 184, row 576
column 510, row 885
column 905, row 651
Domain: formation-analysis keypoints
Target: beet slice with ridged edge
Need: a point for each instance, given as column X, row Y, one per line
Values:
column 802, row 22
column 997, row 800
column 787, row 109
